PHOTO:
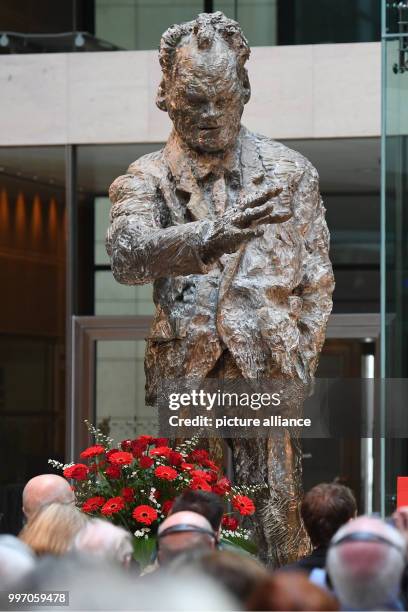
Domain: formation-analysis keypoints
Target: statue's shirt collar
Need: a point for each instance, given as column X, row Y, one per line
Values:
column 187, row 166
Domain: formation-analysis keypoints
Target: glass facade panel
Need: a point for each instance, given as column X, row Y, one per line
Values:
column 120, row 388
column 32, row 319
column 329, row 21
column 104, row 25
column 139, row 24
column 395, row 227
column 110, row 297
column 257, row 18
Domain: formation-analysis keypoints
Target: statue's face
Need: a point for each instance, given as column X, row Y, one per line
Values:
column 205, row 97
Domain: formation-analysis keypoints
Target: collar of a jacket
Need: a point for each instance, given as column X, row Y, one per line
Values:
column 187, row 166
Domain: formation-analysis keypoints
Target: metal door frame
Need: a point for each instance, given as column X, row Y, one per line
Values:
column 87, row 331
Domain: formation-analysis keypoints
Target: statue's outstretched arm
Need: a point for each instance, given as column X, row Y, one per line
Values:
column 141, row 249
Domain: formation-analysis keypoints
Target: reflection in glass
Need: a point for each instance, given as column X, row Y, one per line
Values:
column 139, row 24
column 120, row 394
column 112, row 298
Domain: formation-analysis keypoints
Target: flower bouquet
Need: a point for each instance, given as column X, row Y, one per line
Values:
column 135, row 484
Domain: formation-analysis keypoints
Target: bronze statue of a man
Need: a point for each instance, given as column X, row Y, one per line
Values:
column 229, row 226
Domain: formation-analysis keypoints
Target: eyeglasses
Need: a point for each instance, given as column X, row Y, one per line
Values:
column 367, row 536
column 183, row 528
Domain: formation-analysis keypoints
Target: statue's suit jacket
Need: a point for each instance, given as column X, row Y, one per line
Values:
column 267, row 304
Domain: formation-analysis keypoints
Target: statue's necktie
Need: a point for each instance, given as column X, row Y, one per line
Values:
column 219, row 195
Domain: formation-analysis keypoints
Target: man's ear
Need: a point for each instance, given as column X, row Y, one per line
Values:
column 161, row 96
column 246, row 86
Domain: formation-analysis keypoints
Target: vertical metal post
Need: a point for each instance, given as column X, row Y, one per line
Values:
column 383, row 258
column 367, row 443
column 208, row 6
column 71, row 290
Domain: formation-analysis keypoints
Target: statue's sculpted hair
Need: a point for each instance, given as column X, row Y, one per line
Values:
column 204, row 28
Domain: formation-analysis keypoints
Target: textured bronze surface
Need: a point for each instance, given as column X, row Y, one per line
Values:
column 230, row 227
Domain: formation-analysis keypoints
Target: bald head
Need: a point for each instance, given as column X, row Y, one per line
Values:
column 195, row 533
column 45, row 489
column 365, row 562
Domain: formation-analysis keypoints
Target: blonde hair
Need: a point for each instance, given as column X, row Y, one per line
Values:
column 52, row 528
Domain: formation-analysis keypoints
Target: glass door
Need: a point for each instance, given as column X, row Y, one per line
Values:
column 108, row 380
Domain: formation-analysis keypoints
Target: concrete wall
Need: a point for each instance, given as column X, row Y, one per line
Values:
column 311, row 91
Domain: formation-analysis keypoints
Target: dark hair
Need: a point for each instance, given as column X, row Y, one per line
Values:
column 204, row 503
column 290, row 591
column 325, row 508
column 236, row 572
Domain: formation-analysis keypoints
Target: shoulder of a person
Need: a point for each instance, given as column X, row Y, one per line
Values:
column 275, row 155
column 149, row 165
column 142, row 176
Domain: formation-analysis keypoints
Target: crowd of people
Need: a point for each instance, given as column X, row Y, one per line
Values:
column 356, row 562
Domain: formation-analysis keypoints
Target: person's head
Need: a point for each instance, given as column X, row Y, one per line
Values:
column 365, row 562
column 203, row 502
column 52, row 528
column 105, row 541
column 183, row 532
column 16, row 560
column 205, row 83
column 45, row 489
column 237, row 573
column 325, row 508
column 290, row 591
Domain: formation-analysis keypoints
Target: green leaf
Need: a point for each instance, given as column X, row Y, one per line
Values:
column 246, row 545
column 143, row 550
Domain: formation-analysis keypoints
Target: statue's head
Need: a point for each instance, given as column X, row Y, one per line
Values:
column 205, row 83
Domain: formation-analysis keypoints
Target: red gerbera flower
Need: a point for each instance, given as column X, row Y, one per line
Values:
column 113, row 472
column 92, row 451
column 175, row 458
column 201, row 474
column 111, row 452
column 222, row 486
column 141, row 443
column 198, row 455
column 146, row 439
column 187, row 467
column 230, row 522
column 126, row 445
column 161, row 451
column 78, row 471
column 211, row 465
column 138, row 448
column 121, row 458
column 167, row 506
column 243, row 504
column 198, row 484
column 144, row 514
column 165, row 472
column 113, row 505
column 93, row 504
column 145, row 462
column 160, row 441
column 128, row 494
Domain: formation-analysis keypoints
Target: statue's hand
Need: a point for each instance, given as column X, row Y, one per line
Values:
column 257, row 208
column 240, row 224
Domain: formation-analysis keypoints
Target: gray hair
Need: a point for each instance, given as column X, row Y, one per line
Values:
column 381, row 579
column 104, row 540
column 16, row 560
column 204, row 28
